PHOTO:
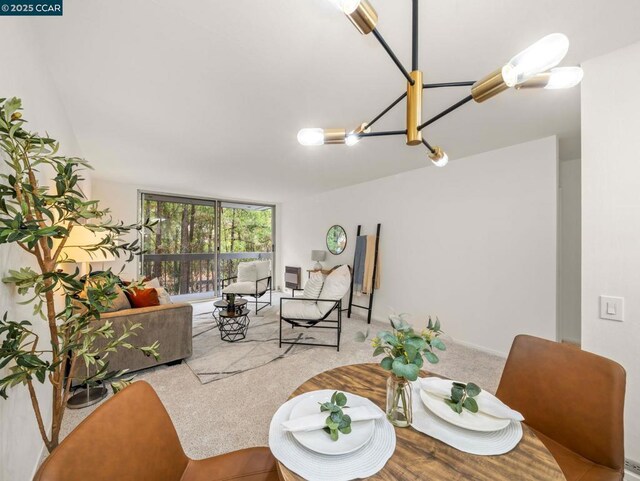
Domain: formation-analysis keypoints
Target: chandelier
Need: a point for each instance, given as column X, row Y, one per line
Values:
column 534, row 67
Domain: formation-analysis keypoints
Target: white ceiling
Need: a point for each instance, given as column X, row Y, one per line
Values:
column 206, row 96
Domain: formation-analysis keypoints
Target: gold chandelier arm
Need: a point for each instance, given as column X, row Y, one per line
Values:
column 489, row 86
column 364, row 17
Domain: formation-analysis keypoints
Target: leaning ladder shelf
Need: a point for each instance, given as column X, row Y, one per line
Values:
column 369, row 308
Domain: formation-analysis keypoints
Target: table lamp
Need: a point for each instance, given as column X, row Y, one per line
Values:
column 318, row 256
column 80, row 237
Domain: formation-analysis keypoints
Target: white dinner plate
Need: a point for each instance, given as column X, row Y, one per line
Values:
column 467, row 420
column 319, row 441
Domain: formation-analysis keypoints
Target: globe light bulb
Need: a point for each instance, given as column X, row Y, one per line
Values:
column 439, row 157
column 309, row 137
column 352, row 139
column 564, row 78
column 539, row 57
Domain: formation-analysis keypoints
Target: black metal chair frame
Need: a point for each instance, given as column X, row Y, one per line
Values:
column 309, row 323
column 258, row 294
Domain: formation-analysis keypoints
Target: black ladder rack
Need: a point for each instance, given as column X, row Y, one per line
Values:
column 373, row 283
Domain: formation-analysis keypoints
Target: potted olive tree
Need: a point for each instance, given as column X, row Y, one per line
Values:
column 41, row 202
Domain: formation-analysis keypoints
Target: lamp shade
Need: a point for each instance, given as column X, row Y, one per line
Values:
column 81, row 237
column 318, row 256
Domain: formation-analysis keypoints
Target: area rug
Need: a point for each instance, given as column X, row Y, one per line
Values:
column 214, row 359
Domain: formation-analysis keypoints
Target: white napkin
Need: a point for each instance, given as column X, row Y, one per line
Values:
column 317, row 421
column 487, row 402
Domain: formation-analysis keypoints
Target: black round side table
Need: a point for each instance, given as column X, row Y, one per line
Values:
column 233, row 325
column 222, row 305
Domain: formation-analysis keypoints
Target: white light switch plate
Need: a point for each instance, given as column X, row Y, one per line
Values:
column 612, row 308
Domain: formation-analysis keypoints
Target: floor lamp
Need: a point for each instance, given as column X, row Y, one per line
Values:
column 81, row 237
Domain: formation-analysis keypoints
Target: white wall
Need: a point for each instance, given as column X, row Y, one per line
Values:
column 24, row 75
column 122, row 200
column 474, row 243
column 569, row 232
column 611, row 217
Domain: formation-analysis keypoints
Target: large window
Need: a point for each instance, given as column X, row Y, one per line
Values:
column 196, row 243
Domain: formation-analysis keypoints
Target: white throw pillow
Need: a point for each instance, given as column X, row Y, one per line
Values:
column 163, row 296
column 336, row 286
column 247, row 272
column 313, row 287
column 155, row 283
column 263, row 269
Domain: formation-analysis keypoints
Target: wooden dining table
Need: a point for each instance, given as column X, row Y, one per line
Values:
column 421, row 457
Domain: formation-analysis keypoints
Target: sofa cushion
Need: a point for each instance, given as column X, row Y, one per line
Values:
column 247, row 288
column 336, row 286
column 120, row 301
column 300, row 310
column 143, row 297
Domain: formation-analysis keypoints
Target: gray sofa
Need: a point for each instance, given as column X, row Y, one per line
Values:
column 169, row 324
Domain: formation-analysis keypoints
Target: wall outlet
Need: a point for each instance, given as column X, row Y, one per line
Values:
column 632, row 466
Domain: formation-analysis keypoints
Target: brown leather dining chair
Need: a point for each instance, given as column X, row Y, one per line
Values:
column 574, row 401
column 131, row 438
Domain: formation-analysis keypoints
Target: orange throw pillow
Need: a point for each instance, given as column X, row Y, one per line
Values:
column 143, row 297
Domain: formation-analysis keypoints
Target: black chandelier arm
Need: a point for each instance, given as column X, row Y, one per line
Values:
column 431, row 149
column 381, row 134
column 446, row 111
column 415, row 36
column 448, row 84
column 384, row 112
column 395, row 59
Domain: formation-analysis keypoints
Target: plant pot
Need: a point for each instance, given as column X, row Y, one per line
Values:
column 399, row 407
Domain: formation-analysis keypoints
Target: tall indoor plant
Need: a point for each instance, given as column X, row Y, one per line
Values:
column 39, row 219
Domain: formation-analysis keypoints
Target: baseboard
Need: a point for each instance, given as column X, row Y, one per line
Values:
column 480, row 348
column 572, row 341
column 628, row 476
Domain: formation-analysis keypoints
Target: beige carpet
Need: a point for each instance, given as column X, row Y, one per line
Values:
column 234, row 413
column 214, row 359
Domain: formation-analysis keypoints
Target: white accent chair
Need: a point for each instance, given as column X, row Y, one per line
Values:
column 254, row 280
column 314, row 308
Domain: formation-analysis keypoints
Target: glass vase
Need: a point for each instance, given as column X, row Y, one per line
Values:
column 399, row 407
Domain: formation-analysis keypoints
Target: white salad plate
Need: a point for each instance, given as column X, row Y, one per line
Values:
column 319, row 441
column 467, row 420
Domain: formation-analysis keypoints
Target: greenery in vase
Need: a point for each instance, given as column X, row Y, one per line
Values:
column 462, row 397
column 337, row 422
column 39, row 219
column 404, row 348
